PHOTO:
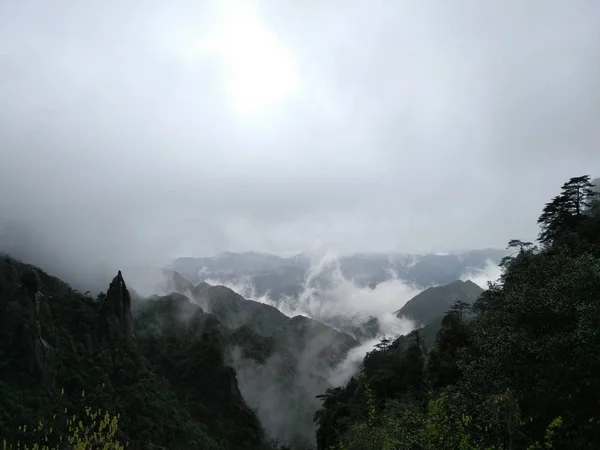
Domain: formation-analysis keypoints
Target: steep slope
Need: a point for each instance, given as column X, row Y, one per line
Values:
column 432, row 303
column 293, row 334
column 186, row 346
column 282, row 363
column 53, row 337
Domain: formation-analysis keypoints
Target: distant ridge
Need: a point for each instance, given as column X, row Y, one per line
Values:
column 430, row 304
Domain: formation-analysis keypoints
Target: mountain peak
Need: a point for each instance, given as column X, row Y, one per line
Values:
column 117, row 310
column 433, row 302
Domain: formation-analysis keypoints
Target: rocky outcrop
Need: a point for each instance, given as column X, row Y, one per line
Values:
column 42, row 358
column 28, row 320
column 116, row 309
column 176, row 282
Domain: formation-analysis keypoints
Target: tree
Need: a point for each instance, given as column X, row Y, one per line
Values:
column 537, row 335
column 458, row 308
column 94, row 428
column 514, row 243
column 566, row 210
column 442, row 363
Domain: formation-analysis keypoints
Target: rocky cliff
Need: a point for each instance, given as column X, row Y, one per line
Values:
column 116, row 309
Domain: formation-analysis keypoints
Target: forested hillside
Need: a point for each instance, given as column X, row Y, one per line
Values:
column 166, row 372
column 282, row 363
column 524, row 373
column 66, row 357
column 433, row 302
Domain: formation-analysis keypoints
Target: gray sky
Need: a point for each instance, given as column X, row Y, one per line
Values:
column 136, row 131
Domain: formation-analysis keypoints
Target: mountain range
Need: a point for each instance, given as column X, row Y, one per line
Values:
column 235, row 365
column 279, row 277
column 198, row 365
column 321, row 287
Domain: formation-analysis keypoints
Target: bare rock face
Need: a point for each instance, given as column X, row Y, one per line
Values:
column 30, row 320
column 117, row 310
column 42, row 360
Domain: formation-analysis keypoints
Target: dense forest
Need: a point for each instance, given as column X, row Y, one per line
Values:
column 518, row 370
column 72, row 370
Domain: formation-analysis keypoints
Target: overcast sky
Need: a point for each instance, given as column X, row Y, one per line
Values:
column 137, row 131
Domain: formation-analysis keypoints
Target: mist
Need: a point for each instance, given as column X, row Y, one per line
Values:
column 328, row 295
column 131, row 134
column 490, row 273
column 283, row 388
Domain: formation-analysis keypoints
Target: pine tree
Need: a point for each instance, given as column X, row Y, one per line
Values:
column 458, row 308
column 566, row 210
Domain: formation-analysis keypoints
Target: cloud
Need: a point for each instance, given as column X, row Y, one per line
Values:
column 490, row 273
column 337, row 301
column 417, row 126
column 327, row 294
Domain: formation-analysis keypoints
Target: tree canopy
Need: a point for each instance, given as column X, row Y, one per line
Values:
column 521, row 373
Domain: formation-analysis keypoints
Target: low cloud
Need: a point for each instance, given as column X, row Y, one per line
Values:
column 326, row 293
column 490, row 273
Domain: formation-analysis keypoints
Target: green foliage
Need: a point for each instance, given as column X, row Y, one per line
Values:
column 197, row 408
column 393, row 370
column 566, row 211
column 433, row 302
column 405, row 426
column 190, row 356
column 93, row 429
column 452, row 338
column 522, row 374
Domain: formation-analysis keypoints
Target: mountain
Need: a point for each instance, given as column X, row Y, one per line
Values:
column 63, row 351
column 282, row 363
column 321, row 289
column 280, row 277
column 204, row 362
column 434, row 302
column 295, row 285
column 239, row 264
column 293, row 334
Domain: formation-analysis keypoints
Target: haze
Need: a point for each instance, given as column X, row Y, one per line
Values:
column 134, row 132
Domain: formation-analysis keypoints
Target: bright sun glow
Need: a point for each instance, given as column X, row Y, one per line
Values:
column 259, row 71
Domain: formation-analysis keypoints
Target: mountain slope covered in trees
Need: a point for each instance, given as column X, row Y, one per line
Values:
column 522, row 374
column 433, row 302
column 189, row 375
column 64, row 351
column 282, row 363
